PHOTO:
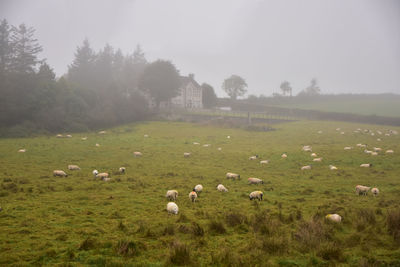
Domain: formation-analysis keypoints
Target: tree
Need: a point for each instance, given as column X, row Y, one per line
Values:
column 234, row 86
column 312, row 89
column 160, row 80
column 5, row 47
column 81, row 70
column 25, row 49
column 138, row 56
column 286, row 88
column 209, row 97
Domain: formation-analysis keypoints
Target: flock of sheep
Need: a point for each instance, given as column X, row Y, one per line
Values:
column 172, row 195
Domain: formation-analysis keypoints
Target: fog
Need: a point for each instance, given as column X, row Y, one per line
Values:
column 349, row 46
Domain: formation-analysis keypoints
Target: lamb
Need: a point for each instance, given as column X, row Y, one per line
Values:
column 366, row 165
column 264, row 161
column 253, row 157
column 222, row 188
column 389, row 151
column 59, row 173
column 172, row 208
column 172, row 195
column 193, row 196
column 308, row 167
column 331, row 167
column 334, row 217
column 74, row 168
column 362, row 190
column 198, row 188
column 137, row 154
column 256, row 195
column 252, row 180
column 284, row 156
column 342, row 133
column 378, row 139
column 186, row 154
column 233, row 176
column 317, row 159
column 122, row 170
column 375, row 191
column 23, row 150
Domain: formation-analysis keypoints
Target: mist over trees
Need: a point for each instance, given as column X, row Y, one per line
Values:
column 234, row 86
column 209, row 99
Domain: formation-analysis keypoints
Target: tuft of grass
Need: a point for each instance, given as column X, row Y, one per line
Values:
column 235, row 218
column 179, row 254
column 330, row 251
column 128, row 248
column 275, row 245
column 197, row 230
column 216, row 227
column 393, row 224
column 87, row 244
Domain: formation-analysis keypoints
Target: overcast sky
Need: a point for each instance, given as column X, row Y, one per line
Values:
column 350, row 46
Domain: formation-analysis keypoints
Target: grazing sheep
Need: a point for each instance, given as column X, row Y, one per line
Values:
column 146, row 135
column 256, row 195
column 137, row 154
column 307, row 148
column 106, row 179
column 122, row 170
column 97, row 145
column 342, row 133
column 172, row 208
column 23, row 150
column 228, row 137
column 334, row 217
column 102, row 175
column 264, row 161
column 253, row 157
column 59, row 173
column 233, row 176
column 198, row 188
column 386, row 134
column 378, row 139
column 222, row 188
column 219, row 149
column 68, row 136
column 172, row 195
column 367, row 151
column 95, row 172
column 377, row 149
column 331, row 167
column 379, row 132
column 375, row 191
column 366, row 165
column 102, row 132
column 193, row 196
column 74, row 168
column 317, row 159
column 372, row 134
column 362, row 190
column 59, row 136
column 195, row 143
column 308, row 167
column 360, row 145
column 252, row 180
column 284, row 156
column 186, row 154
column 374, row 154
column 313, row 155
column 84, row 138
column 338, row 129
column 320, row 132
column 348, row 148
column 206, row 145
column 389, row 151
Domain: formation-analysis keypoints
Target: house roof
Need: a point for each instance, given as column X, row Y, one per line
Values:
column 186, row 79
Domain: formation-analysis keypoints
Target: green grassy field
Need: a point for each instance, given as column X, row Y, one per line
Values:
column 79, row 221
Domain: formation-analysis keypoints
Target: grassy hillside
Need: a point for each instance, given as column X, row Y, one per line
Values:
column 48, row 220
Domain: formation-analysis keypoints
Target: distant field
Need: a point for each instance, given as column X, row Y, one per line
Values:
column 78, row 220
column 387, row 107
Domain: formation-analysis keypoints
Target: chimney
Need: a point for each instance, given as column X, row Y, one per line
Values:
column 191, row 76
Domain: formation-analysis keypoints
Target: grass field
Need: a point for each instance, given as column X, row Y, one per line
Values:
column 79, row 221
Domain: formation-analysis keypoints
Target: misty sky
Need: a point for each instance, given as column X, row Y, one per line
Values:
column 350, row 46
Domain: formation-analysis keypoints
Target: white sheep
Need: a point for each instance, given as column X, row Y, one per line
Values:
column 102, row 132
column 193, row 196
column 378, row 139
column 233, row 176
column 308, row 167
column 186, row 154
column 320, row 132
column 264, row 161
column 366, row 165
column 68, row 136
column 74, row 168
column 222, row 188
column 59, row 173
column 137, row 154
column 338, row 129
column 362, row 190
column 228, row 137
column 23, row 150
column 146, row 135
column 317, row 159
column 172, row 195
column 390, row 151
column 307, row 148
column 253, row 157
column 331, row 167
column 253, row 180
column 97, row 145
column 219, row 149
column 206, row 145
column 122, row 170
column 172, row 208
column 284, row 156
column 377, row 149
column 59, row 136
column 367, row 151
column 313, row 155
column 256, row 195
column 375, row 191
column 95, row 172
column 342, row 133
column 348, row 148
column 102, row 175
column 374, row 154
column 334, row 217
column 195, row 143
column 84, row 138
column 198, row 188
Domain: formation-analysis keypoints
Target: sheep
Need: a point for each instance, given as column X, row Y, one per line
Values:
column 375, row 191
column 320, row 132
column 97, row 145
column 307, row 148
column 186, row 154
column 253, row 157
column 59, row 136
column 195, row 143
column 59, row 173
column 338, row 129
column 334, row 217
column 68, row 136
column 102, row 175
column 366, row 165
column 377, row 149
column 95, row 172
column 74, row 168
column 317, row 159
column 23, row 150
column 331, row 167
column 198, row 188
column 172, row 195
column 137, row 154
column 252, row 180
column 84, row 138
column 206, row 145
column 146, row 135
column 172, row 208
column 308, row 167
column 193, row 196
column 342, row 133
column 284, row 156
column 233, row 176
column 106, row 179
column 228, row 137
column 390, row 151
column 256, row 195
column 362, row 190
column 361, row 145
column 378, row 139
column 122, row 170
column 379, row 132
column 367, row 151
column 264, row 161
column 102, row 132
column 219, row 149
column 374, row 154
column 313, row 155
column 222, row 188
column 372, row 134
column 348, row 148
